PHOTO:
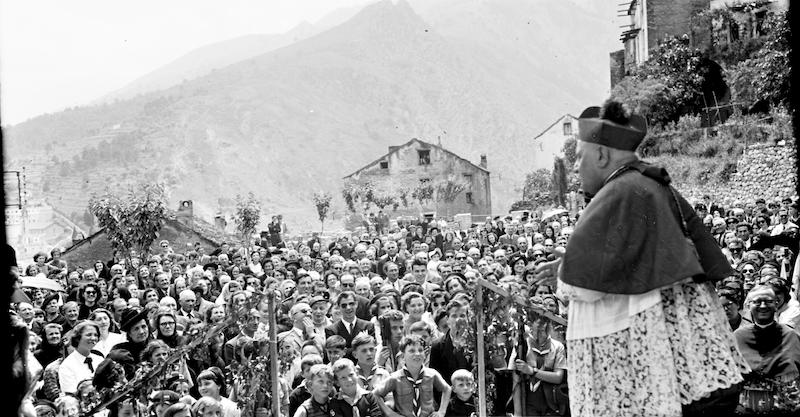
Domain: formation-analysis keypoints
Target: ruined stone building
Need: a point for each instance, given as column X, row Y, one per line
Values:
column 644, row 23
column 418, row 163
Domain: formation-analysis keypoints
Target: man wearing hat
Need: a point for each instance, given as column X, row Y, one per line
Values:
column 134, row 324
column 320, row 305
column 637, row 253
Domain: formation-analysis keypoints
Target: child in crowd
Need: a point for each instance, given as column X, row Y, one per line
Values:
column 334, row 348
column 391, row 340
column 462, row 404
column 320, row 387
column 207, row 407
column 301, row 393
column 351, row 395
column 413, row 384
column 368, row 373
column 211, row 383
column 423, row 330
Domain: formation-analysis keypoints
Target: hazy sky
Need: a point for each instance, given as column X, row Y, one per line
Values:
column 57, row 53
column 60, row 53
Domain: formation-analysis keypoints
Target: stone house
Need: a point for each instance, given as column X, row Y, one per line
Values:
column 415, row 163
column 645, row 22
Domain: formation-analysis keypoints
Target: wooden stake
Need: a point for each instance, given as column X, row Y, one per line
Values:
column 481, row 354
column 273, row 356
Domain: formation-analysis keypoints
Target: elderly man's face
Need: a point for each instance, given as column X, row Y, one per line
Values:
column 763, row 306
column 586, row 158
column 188, row 302
column 392, row 272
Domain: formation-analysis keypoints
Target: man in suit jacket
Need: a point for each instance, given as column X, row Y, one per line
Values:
column 350, row 325
column 391, row 256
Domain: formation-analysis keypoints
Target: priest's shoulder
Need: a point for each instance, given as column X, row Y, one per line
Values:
column 629, row 183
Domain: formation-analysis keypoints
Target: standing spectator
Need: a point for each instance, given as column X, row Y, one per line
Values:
column 634, row 305
column 350, row 325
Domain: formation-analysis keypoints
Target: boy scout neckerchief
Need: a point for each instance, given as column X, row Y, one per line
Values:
column 416, row 383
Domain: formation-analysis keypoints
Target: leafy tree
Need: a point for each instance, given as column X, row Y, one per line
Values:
column 423, row 192
column 134, row 221
column 647, row 97
column 537, row 188
column 447, row 190
column 248, row 215
column 322, row 200
column 765, row 76
column 671, row 83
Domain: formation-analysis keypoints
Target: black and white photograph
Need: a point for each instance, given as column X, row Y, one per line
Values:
column 401, row 208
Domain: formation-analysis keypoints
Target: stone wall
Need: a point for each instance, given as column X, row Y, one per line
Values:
column 764, row 170
column 674, row 18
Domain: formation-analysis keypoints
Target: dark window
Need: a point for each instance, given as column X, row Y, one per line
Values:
column 469, row 198
column 384, row 164
column 567, row 128
column 424, row 156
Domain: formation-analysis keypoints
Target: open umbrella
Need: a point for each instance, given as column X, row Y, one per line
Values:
column 549, row 214
column 42, row 282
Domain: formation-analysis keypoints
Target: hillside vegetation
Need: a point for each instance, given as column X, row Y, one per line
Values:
column 703, row 149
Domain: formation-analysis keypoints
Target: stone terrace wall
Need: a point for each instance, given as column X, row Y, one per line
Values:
column 764, row 170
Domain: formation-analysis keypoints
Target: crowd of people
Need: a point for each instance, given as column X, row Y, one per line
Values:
column 369, row 323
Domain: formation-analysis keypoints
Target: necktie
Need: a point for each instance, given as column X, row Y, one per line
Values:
column 88, row 362
column 350, row 329
column 416, row 383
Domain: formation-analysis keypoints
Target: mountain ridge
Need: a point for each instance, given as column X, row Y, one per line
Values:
column 294, row 120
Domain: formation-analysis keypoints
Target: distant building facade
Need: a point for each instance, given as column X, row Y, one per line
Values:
column 549, row 143
column 416, row 162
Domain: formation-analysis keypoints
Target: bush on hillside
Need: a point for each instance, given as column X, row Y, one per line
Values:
column 764, row 77
column 669, row 85
column 688, row 137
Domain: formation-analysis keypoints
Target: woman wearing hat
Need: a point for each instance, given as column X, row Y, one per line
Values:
column 134, row 324
column 50, row 305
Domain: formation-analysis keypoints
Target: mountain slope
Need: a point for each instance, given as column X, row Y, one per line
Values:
column 206, row 59
column 295, row 120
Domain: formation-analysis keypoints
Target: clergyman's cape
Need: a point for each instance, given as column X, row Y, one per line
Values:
column 629, row 239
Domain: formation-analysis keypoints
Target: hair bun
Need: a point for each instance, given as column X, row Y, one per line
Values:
column 616, row 112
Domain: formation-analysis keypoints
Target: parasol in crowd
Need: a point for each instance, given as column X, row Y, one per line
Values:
column 549, row 214
column 41, row 282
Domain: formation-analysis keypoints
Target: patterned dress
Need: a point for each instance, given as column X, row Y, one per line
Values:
column 672, row 353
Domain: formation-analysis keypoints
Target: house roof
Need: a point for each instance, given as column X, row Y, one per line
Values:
column 201, row 228
column 408, row 144
column 553, row 124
